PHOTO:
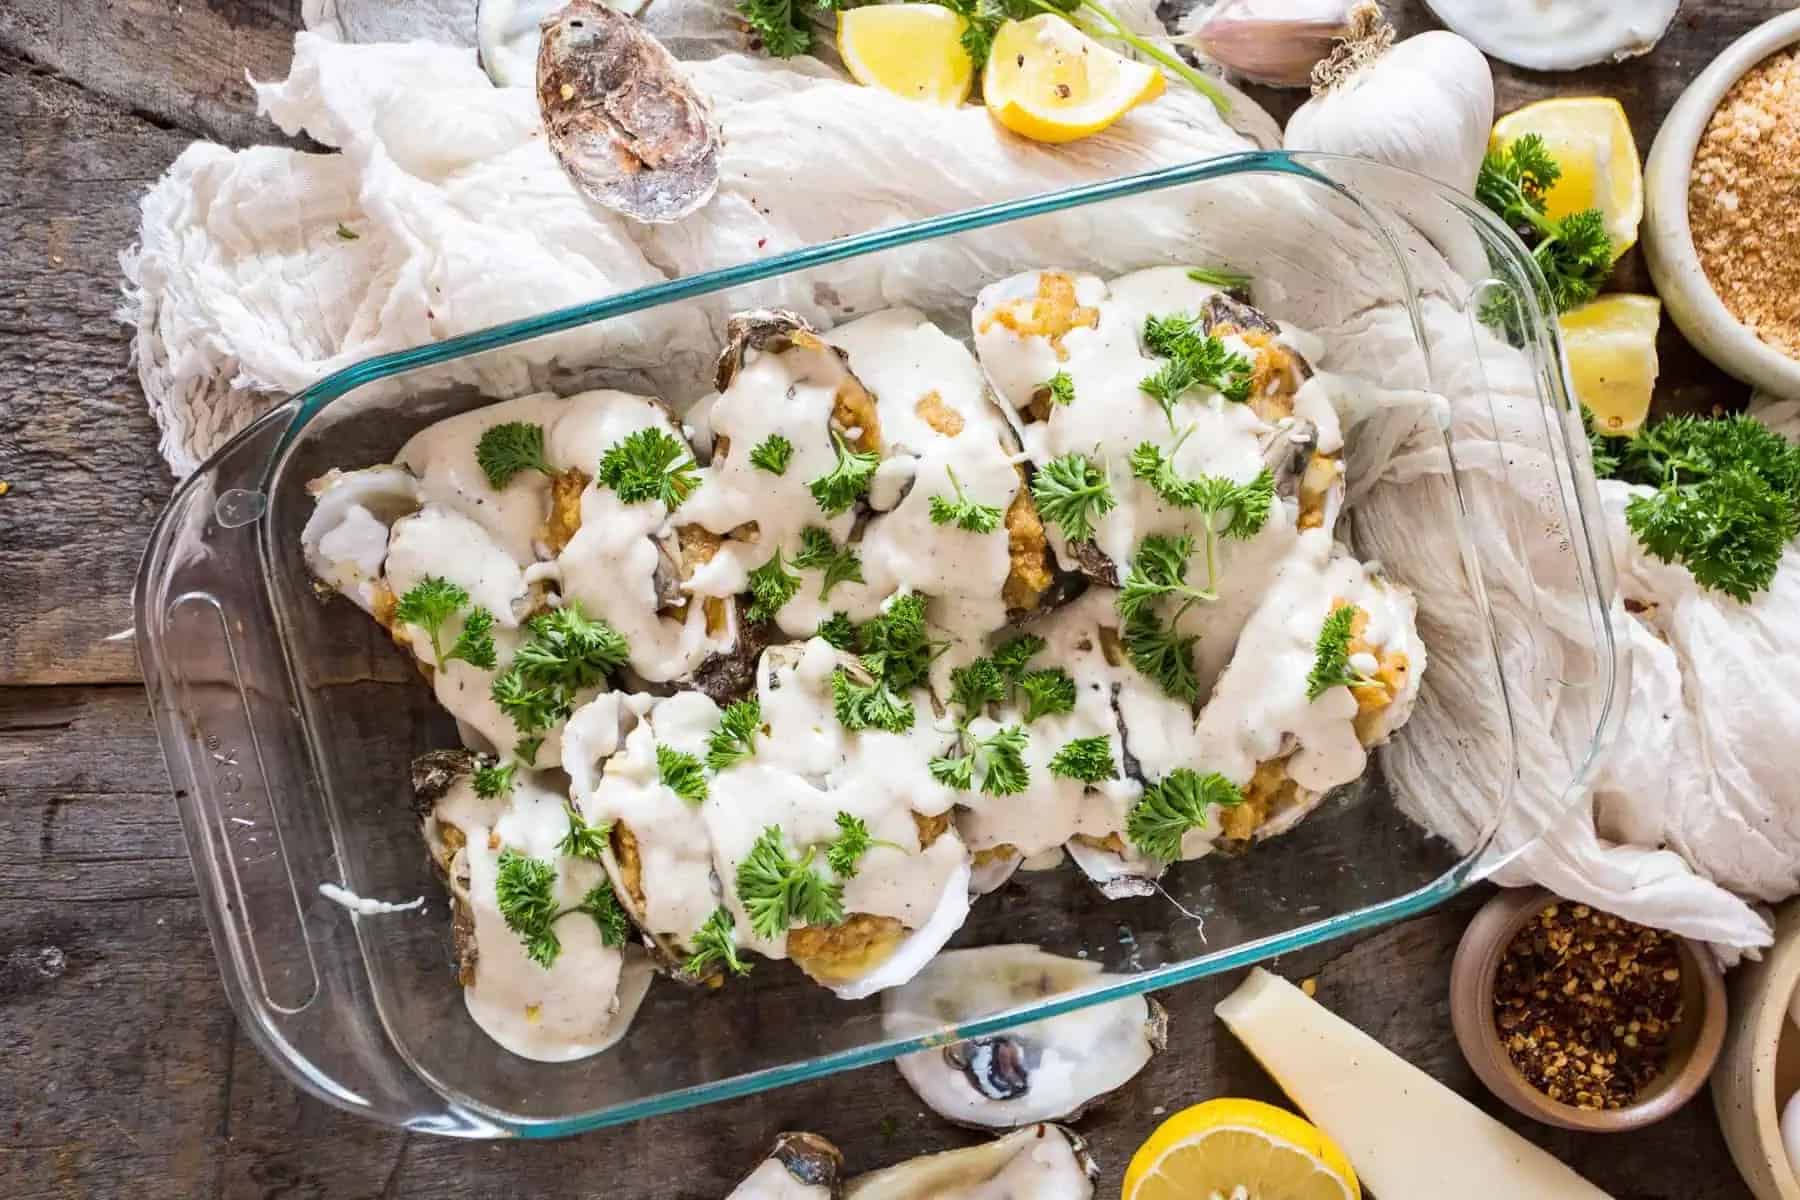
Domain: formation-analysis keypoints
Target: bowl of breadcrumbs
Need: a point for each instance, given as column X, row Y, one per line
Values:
column 1722, row 209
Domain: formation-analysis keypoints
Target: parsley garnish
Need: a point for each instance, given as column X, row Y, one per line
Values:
column 564, row 654
column 523, row 891
column 1061, row 388
column 1331, row 655
column 1011, row 656
column 475, row 644
column 893, row 644
column 1247, row 504
column 681, row 773
column 777, row 890
column 505, row 450
column 1162, row 653
column 493, row 782
column 777, row 23
column 525, row 749
column 650, row 464
column 345, row 233
column 1047, row 693
column 838, row 630
column 1159, row 569
column 1575, row 254
column 428, row 604
column 1089, row 759
column 999, row 757
column 871, row 705
column 1072, row 492
column 840, row 487
column 772, row 455
column 963, row 512
column 715, row 942
column 1191, row 359
column 819, row 553
column 975, row 685
column 1174, row 805
column 772, row 585
column 583, row 840
column 735, row 738
column 1229, row 281
column 853, row 841
column 1727, row 499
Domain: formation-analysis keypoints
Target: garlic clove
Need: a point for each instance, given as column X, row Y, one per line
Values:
column 1275, row 42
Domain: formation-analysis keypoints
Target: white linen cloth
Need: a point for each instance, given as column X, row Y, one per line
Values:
column 441, row 211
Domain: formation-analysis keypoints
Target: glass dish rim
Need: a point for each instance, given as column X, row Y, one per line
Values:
column 300, row 409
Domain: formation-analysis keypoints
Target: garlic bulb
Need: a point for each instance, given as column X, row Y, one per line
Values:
column 1276, row 42
column 1425, row 104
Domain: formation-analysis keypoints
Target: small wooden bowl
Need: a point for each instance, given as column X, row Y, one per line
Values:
column 1692, row 1051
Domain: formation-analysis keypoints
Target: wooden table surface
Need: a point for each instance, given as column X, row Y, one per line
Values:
column 122, row 1071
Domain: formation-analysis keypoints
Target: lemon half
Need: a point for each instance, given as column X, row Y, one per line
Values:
column 1048, row 81
column 1611, row 344
column 911, row 50
column 1214, row 1149
column 1590, row 139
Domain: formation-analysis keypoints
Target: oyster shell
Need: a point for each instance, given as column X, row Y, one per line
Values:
column 622, row 119
column 802, row 1166
column 345, row 540
column 1039, row 1162
column 1558, row 35
column 1050, row 1070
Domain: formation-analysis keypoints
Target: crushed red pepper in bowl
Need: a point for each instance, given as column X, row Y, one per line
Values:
column 1585, row 1004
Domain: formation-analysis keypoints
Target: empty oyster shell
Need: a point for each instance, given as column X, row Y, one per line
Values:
column 1039, row 1162
column 623, row 120
column 1053, row 1069
column 802, row 1166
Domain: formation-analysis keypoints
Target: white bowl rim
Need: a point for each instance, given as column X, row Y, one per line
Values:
column 1669, row 242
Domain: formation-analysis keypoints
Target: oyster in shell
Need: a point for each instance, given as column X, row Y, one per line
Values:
column 622, row 118
column 1039, row 1162
column 1048, row 1070
column 802, row 1166
column 345, row 539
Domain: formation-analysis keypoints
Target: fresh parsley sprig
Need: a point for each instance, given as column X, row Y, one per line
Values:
column 495, row 781
column 681, row 772
column 777, row 889
column 735, row 738
column 1061, row 388
column 524, row 891
column 819, row 553
column 715, row 942
column 771, row 586
column 1175, row 804
column 650, row 464
column 1012, row 656
column 772, row 454
column 1089, row 759
column 1160, row 651
column 963, row 512
column 895, row 651
column 844, row 856
column 1574, row 253
column 999, row 759
column 1048, row 693
column 563, row 653
column 1159, row 569
column 432, row 602
column 1191, row 359
column 1331, row 655
column 839, row 630
column 584, row 840
column 507, row 449
column 839, row 488
column 1073, row 493
column 872, row 704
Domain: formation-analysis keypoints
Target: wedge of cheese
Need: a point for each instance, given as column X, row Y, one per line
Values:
column 1407, row 1135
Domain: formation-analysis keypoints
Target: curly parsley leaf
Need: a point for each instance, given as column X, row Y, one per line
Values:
column 844, row 855
column 894, row 644
column 871, row 705
column 777, row 889
column 583, row 840
column 602, row 904
column 523, row 891
column 839, row 630
column 1331, row 654
column 735, row 738
column 1073, row 493
column 1061, row 388
column 681, row 772
column 778, row 24
column 1191, row 359
column 1047, row 693
column 771, row 585
column 772, row 455
column 998, row 760
column 839, row 488
column 819, row 553
column 1158, row 569
column 1012, row 656
column 650, row 464
column 507, row 449
column 495, row 781
column 975, row 685
column 963, row 512
column 428, row 604
column 1574, row 253
column 568, row 651
column 715, row 942
column 1089, row 759
column 475, row 643
column 1160, row 652
column 1172, row 806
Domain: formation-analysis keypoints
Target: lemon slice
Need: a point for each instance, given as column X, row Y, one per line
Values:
column 1225, row 1149
column 911, row 50
column 1590, row 139
column 1050, row 82
column 1611, row 344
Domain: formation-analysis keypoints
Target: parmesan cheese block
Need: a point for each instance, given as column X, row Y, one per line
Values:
column 1406, row 1134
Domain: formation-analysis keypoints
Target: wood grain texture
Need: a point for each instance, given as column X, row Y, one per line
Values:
column 122, row 1072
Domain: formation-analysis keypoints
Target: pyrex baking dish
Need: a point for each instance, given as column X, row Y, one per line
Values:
column 288, row 723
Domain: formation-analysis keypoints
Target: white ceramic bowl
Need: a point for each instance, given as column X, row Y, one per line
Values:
column 1669, row 243
column 1744, row 1087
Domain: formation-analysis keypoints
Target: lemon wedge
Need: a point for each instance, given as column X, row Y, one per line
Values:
column 1611, row 344
column 1231, row 1148
column 1050, row 82
column 911, row 50
column 1590, row 139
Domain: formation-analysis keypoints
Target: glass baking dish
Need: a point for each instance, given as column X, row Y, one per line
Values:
column 288, row 723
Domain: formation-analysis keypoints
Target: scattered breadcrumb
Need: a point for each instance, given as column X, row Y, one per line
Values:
column 1744, row 200
column 1310, row 985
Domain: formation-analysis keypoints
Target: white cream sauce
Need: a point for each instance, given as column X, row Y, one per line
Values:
column 345, row 540
column 771, row 1181
column 443, row 542
column 366, row 906
column 581, row 1003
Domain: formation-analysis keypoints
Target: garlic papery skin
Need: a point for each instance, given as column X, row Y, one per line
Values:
column 1558, row 35
column 1274, row 42
column 1425, row 104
